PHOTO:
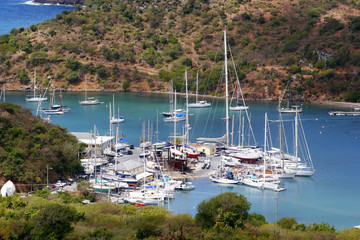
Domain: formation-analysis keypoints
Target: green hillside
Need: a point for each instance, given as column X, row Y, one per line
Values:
column 28, row 147
column 142, row 45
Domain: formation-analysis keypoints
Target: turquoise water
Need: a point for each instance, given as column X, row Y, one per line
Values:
column 331, row 195
column 22, row 13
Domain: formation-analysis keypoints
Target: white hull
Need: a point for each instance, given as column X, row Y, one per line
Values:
column 53, row 112
column 199, row 104
column 89, row 102
column 304, row 173
column 238, row 108
column 117, row 120
column 36, row 99
column 174, row 119
column 289, row 110
column 224, row 180
column 260, row 184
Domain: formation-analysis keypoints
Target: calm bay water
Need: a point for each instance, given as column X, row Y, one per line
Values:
column 23, row 13
column 331, row 195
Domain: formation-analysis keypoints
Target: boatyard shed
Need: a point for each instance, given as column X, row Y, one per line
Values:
column 128, row 167
column 207, row 148
column 92, row 140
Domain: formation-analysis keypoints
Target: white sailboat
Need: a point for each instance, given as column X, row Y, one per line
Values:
column 306, row 167
column 288, row 108
column 266, row 181
column 35, row 98
column 56, row 109
column 88, row 100
column 177, row 116
column 239, row 106
column 201, row 103
column 118, row 119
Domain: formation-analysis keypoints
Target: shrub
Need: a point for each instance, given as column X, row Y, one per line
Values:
column 23, row 77
column 227, row 209
column 126, row 85
column 287, row 223
column 73, row 77
column 73, row 64
column 331, row 26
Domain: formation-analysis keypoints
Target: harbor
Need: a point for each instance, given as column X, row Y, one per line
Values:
column 303, row 198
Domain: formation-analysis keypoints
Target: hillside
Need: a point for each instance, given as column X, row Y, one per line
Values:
column 142, row 45
column 28, row 146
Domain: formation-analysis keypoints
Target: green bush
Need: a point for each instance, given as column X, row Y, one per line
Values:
column 331, row 26
column 73, row 64
column 23, row 77
column 227, row 209
column 73, row 77
column 287, row 223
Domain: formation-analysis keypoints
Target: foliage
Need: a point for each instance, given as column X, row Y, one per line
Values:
column 287, row 223
column 331, row 26
column 227, row 209
column 27, row 145
column 73, row 77
column 126, row 85
column 23, row 77
column 53, row 221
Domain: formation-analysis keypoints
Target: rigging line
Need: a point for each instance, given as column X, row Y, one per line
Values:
column 211, row 69
column 242, row 97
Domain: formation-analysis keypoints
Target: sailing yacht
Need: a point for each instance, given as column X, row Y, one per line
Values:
column 176, row 116
column 118, row 119
column 88, row 100
column 239, row 106
column 265, row 181
column 35, row 98
column 288, row 108
column 201, row 103
column 56, row 109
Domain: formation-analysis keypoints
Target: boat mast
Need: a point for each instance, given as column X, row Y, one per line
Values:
column 113, row 106
column 226, row 92
column 34, row 83
column 174, row 116
column 265, row 140
column 197, row 86
column 187, row 110
column 110, row 119
column 85, row 88
column 296, row 135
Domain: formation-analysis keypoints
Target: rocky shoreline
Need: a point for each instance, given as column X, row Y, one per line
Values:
column 65, row 2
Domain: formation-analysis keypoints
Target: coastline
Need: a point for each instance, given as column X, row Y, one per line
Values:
column 326, row 103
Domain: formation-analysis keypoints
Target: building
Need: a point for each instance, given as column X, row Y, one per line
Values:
column 91, row 140
column 128, row 167
column 208, row 149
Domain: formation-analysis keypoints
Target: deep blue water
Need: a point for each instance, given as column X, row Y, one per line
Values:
column 331, row 195
column 23, row 13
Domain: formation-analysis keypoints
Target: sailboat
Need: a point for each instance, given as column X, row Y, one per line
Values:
column 239, row 106
column 118, row 119
column 265, row 181
column 35, row 98
column 56, row 109
column 172, row 111
column 306, row 167
column 176, row 116
column 88, row 100
column 288, row 108
column 201, row 103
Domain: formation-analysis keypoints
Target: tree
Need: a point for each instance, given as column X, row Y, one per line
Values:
column 53, row 222
column 227, row 210
column 24, row 77
column 126, row 85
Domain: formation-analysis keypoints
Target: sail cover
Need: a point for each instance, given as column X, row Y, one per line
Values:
column 220, row 139
column 8, row 189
